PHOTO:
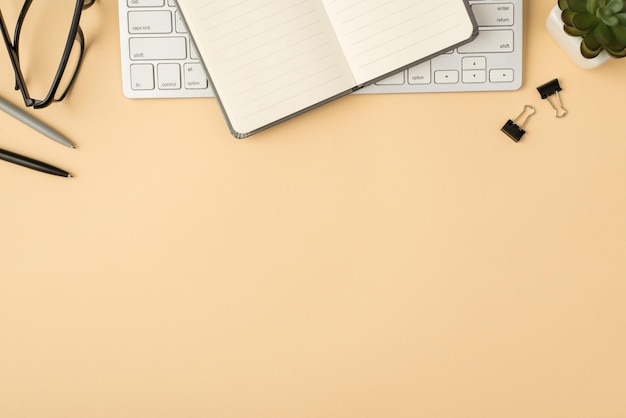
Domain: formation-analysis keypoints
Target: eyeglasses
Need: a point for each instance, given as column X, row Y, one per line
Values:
column 72, row 56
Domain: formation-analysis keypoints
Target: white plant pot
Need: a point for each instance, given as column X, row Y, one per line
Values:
column 571, row 44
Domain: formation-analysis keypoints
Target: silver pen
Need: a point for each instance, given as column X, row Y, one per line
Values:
column 36, row 124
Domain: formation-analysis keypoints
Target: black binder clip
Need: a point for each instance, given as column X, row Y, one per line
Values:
column 514, row 129
column 550, row 91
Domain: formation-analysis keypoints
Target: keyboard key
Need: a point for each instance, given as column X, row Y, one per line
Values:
column 180, row 24
column 142, row 76
column 193, row 53
column 158, row 48
column 397, row 79
column 489, row 41
column 195, row 77
column 501, row 75
column 420, row 74
column 169, row 76
column 474, row 63
column 146, row 3
column 150, row 22
column 497, row 14
column 474, row 76
column 446, row 77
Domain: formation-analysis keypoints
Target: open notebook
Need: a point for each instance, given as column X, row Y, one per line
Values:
column 269, row 60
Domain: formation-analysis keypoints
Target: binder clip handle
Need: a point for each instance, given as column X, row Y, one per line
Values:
column 550, row 91
column 515, row 128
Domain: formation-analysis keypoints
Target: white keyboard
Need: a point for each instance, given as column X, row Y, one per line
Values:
column 159, row 60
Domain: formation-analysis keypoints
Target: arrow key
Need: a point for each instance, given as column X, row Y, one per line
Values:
column 474, row 76
column 446, row 77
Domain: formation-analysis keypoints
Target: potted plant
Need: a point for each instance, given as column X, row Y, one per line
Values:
column 589, row 31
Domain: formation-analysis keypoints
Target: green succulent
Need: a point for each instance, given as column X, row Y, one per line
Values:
column 600, row 23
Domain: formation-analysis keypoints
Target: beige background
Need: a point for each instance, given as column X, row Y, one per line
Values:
column 382, row 256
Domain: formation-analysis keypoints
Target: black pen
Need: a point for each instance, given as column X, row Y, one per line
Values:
column 31, row 163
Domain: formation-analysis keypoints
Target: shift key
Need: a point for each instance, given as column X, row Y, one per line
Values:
column 489, row 41
column 158, row 48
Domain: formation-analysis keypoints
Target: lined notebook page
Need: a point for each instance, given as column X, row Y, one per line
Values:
column 267, row 58
column 380, row 36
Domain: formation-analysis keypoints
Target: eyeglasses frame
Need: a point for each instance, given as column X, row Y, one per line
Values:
column 75, row 35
